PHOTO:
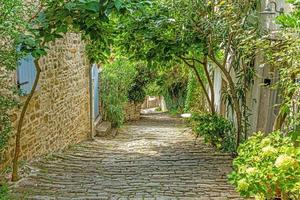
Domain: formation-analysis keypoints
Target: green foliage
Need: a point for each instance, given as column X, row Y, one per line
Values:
column 267, row 167
column 195, row 100
column 158, row 33
column 198, row 32
column 137, row 89
column 123, row 81
column 12, row 26
column 216, row 130
column 116, row 80
column 190, row 92
column 4, row 192
column 282, row 54
column 6, row 104
column 286, row 58
column 175, row 97
column 171, row 83
column 55, row 18
column 291, row 19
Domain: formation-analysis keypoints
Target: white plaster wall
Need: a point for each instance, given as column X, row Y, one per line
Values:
column 218, row 89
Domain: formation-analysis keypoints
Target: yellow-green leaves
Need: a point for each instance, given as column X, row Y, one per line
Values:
column 267, row 167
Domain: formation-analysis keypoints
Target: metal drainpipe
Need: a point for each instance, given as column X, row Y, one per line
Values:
column 91, row 136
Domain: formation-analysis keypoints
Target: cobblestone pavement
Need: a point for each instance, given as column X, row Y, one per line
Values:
column 155, row 158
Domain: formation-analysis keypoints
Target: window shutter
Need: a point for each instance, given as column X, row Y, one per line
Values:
column 26, row 73
column 95, row 76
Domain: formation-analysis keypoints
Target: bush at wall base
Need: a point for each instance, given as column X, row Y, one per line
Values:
column 216, row 130
column 268, row 167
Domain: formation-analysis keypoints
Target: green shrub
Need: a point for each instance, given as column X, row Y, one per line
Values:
column 116, row 80
column 121, row 82
column 267, row 167
column 137, row 91
column 175, row 96
column 4, row 192
column 216, row 130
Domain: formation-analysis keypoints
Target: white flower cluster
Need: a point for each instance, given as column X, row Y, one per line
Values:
column 285, row 161
column 269, row 150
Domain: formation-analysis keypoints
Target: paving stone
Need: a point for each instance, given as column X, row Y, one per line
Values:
column 154, row 158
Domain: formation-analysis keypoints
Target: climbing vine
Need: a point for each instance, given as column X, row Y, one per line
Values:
column 11, row 26
column 282, row 55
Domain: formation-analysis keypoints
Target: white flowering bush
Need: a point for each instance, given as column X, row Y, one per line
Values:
column 267, row 167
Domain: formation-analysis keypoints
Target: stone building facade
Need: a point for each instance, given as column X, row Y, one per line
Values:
column 58, row 115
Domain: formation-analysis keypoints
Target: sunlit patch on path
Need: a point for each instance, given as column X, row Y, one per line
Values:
column 155, row 158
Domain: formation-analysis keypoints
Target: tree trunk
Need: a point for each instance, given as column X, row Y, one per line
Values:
column 209, row 100
column 234, row 97
column 210, row 84
column 238, row 120
column 280, row 118
column 211, row 103
column 15, row 176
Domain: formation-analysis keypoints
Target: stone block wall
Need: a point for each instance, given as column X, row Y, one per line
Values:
column 58, row 115
column 132, row 111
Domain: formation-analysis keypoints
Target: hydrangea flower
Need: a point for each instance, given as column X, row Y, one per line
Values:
column 251, row 170
column 260, row 197
column 266, row 142
column 242, row 185
column 285, row 161
column 268, row 150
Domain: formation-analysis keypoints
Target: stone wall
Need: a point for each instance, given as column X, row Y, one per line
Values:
column 58, row 115
column 132, row 111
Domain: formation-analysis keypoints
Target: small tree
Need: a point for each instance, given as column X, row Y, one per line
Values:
column 199, row 33
column 12, row 26
column 53, row 19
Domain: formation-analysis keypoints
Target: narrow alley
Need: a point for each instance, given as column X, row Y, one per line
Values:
column 155, row 158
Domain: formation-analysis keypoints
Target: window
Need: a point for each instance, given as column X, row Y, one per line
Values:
column 26, row 73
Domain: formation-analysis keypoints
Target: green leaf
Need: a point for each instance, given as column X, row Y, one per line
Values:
column 118, row 4
column 92, row 6
column 62, row 29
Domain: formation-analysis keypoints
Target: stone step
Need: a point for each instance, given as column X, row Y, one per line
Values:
column 103, row 129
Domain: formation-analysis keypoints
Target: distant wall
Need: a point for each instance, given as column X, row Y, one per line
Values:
column 132, row 111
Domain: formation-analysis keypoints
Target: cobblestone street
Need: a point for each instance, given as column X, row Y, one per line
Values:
column 155, row 158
